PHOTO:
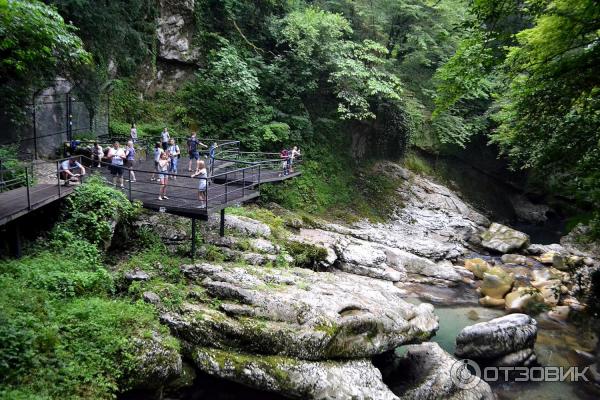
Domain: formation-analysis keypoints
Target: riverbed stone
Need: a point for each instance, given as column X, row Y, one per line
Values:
column 352, row 379
column 488, row 301
column 298, row 313
column 477, row 266
column 503, row 239
column 514, row 259
column 498, row 338
column 156, row 361
column 523, row 299
column 496, row 283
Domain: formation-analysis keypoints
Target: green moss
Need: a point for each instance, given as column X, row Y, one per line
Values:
column 306, row 255
column 329, row 329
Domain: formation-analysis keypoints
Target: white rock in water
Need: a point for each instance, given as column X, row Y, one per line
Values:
column 497, row 338
column 503, row 239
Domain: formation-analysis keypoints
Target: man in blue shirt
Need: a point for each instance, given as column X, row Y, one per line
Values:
column 192, row 145
column 67, row 170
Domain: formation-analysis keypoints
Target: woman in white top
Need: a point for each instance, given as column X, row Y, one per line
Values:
column 203, row 175
column 163, row 177
column 116, row 155
column 164, row 137
column 158, row 151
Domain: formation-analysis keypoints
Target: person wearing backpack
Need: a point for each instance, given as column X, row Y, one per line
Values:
column 174, row 154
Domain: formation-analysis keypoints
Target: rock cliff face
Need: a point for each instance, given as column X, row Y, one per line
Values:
column 175, row 32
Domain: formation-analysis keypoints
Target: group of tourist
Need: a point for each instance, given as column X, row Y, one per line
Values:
column 166, row 155
column 287, row 160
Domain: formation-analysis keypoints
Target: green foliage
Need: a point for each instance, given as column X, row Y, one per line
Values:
column 305, row 255
column 80, row 348
column 36, row 45
column 274, row 222
column 92, row 209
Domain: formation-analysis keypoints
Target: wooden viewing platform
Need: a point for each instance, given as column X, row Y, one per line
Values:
column 233, row 181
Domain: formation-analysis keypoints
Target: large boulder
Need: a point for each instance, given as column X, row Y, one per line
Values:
column 301, row 379
column 157, row 361
column 507, row 340
column 503, row 239
column 422, row 270
column 427, row 372
column 297, row 312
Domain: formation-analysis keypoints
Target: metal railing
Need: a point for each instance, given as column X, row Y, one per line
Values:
column 182, row 190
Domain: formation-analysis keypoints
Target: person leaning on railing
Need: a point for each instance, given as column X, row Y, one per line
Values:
column 67, row 168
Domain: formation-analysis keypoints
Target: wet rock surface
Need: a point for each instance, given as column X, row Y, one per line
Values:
column 504, row 341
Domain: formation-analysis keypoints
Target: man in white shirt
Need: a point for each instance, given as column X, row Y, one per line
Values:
column 68, row 173
column 116, row 155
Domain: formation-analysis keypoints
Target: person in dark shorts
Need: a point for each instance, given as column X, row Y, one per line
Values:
column 68, row 171
column 192, row 146
column 164, row 138
column 116, row 155
column 212, row 152
column 130, row 159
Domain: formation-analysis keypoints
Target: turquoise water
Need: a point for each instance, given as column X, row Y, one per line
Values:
column 555, row 346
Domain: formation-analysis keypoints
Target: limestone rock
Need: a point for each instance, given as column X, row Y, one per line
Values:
column 427, row 372
column 514, row 259
column 364, row 258
column 151, row 297
column 244, row 225
column 136, row 275
column 488, row 301
column 496, row 283
column 477, row 266
column 354, row 379
column 495, row 339
column 264, row 246
column 175, row 31
column 298, row 313
column 559, row 313
column 156, row 361
column 503, row 239
column 523, row 299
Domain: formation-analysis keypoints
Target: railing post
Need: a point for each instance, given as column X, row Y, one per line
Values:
column 226, row 186
column 58, row 176
column 222, row 223
column 243, row 181
column 27, row 183
column 258, row 184
column 1, row 177
column 129, row 172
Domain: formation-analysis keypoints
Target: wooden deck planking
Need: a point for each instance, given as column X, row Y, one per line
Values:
column 13, row 203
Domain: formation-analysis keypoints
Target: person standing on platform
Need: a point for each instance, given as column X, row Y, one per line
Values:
column 202, row 184
column 174, row 154
column 97, row 154
column 130, row 159
column 133, row 133
column 163, row 177
column 192, row 146
column 164, row 137
column 212, row 152
column 157, row 154
column 116, row 155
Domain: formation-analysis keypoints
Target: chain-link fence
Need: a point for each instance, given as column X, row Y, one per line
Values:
column 55, row 115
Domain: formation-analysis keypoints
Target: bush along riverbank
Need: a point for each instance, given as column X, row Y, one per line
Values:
column 108, row 303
